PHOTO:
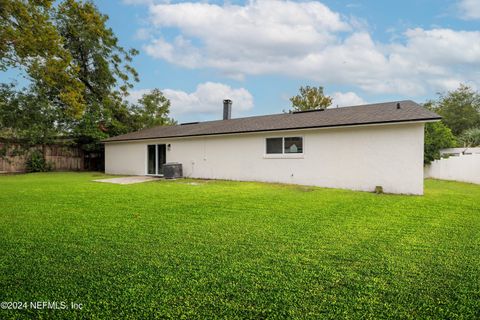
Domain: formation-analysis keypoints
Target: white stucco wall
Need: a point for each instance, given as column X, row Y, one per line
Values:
column 357, row 158
column 125, row 158
column 464, row 168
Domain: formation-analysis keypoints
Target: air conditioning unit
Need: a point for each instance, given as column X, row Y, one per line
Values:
column 172, row 170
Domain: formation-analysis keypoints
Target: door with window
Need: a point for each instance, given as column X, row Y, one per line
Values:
column 156, row 158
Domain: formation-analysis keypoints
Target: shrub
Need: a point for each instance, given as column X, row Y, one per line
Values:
column 437, row 136
column 37, row 163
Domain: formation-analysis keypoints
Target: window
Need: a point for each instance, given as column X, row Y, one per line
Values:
column 274, row 145
column 285, row 145
column 293, row 145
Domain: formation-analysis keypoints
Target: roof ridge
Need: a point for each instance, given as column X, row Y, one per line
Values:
column 292, row 113
column 383, row 112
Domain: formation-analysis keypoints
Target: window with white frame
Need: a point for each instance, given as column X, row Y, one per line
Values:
column 284, row 145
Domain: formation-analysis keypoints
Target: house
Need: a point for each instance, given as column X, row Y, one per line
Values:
column 356, row 148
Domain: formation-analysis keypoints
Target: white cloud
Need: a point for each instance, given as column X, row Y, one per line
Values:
column 144, row 2
column 440, row 47
column 180, row 52
column 470, row 9
column 135, row 95
column 346, row 99
column 142, row 34
column 309, row 41
column 234, row 37
column 138, row 2
column 205, row 101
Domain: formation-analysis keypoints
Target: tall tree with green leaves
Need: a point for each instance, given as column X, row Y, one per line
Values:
column 153, row 109
column 72, row 59
column 26, row 32
column 310, row 98
column 460, row 109
column 103, row 68
column 30, row 43
column 26, row 116
column 78, row 74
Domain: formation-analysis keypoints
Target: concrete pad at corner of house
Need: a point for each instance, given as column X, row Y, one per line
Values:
column 128, row 180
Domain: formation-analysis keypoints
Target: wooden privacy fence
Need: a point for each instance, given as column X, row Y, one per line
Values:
column 62, row 158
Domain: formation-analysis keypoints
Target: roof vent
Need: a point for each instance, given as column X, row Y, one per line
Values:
column 187, row 123
column 398, row 105
column 227, row 109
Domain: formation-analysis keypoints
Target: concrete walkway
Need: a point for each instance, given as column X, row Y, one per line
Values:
column 128, row 180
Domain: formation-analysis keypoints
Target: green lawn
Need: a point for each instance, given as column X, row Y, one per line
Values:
column 219, row 249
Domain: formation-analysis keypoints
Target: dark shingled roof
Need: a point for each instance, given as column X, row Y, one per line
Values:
column 335, row 117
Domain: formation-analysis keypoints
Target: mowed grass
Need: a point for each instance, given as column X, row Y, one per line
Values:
column 218, row 249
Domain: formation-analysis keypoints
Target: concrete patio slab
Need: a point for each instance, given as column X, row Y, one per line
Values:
column 128, row 180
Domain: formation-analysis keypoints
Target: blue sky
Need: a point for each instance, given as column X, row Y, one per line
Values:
column 258, row 53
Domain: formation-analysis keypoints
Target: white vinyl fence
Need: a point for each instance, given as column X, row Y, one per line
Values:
column 458, row 151
column 464, row 167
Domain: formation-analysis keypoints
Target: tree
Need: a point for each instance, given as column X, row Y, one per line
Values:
column 471, row 137
column 30, row 42
column 437, row 136
column 79, row 76
column 26, row 32
column 153, row 110
column 460, row 109
column 103, row 68
column 72, row 60
column 28, row 120
column 28, row 117
column 310, row 98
